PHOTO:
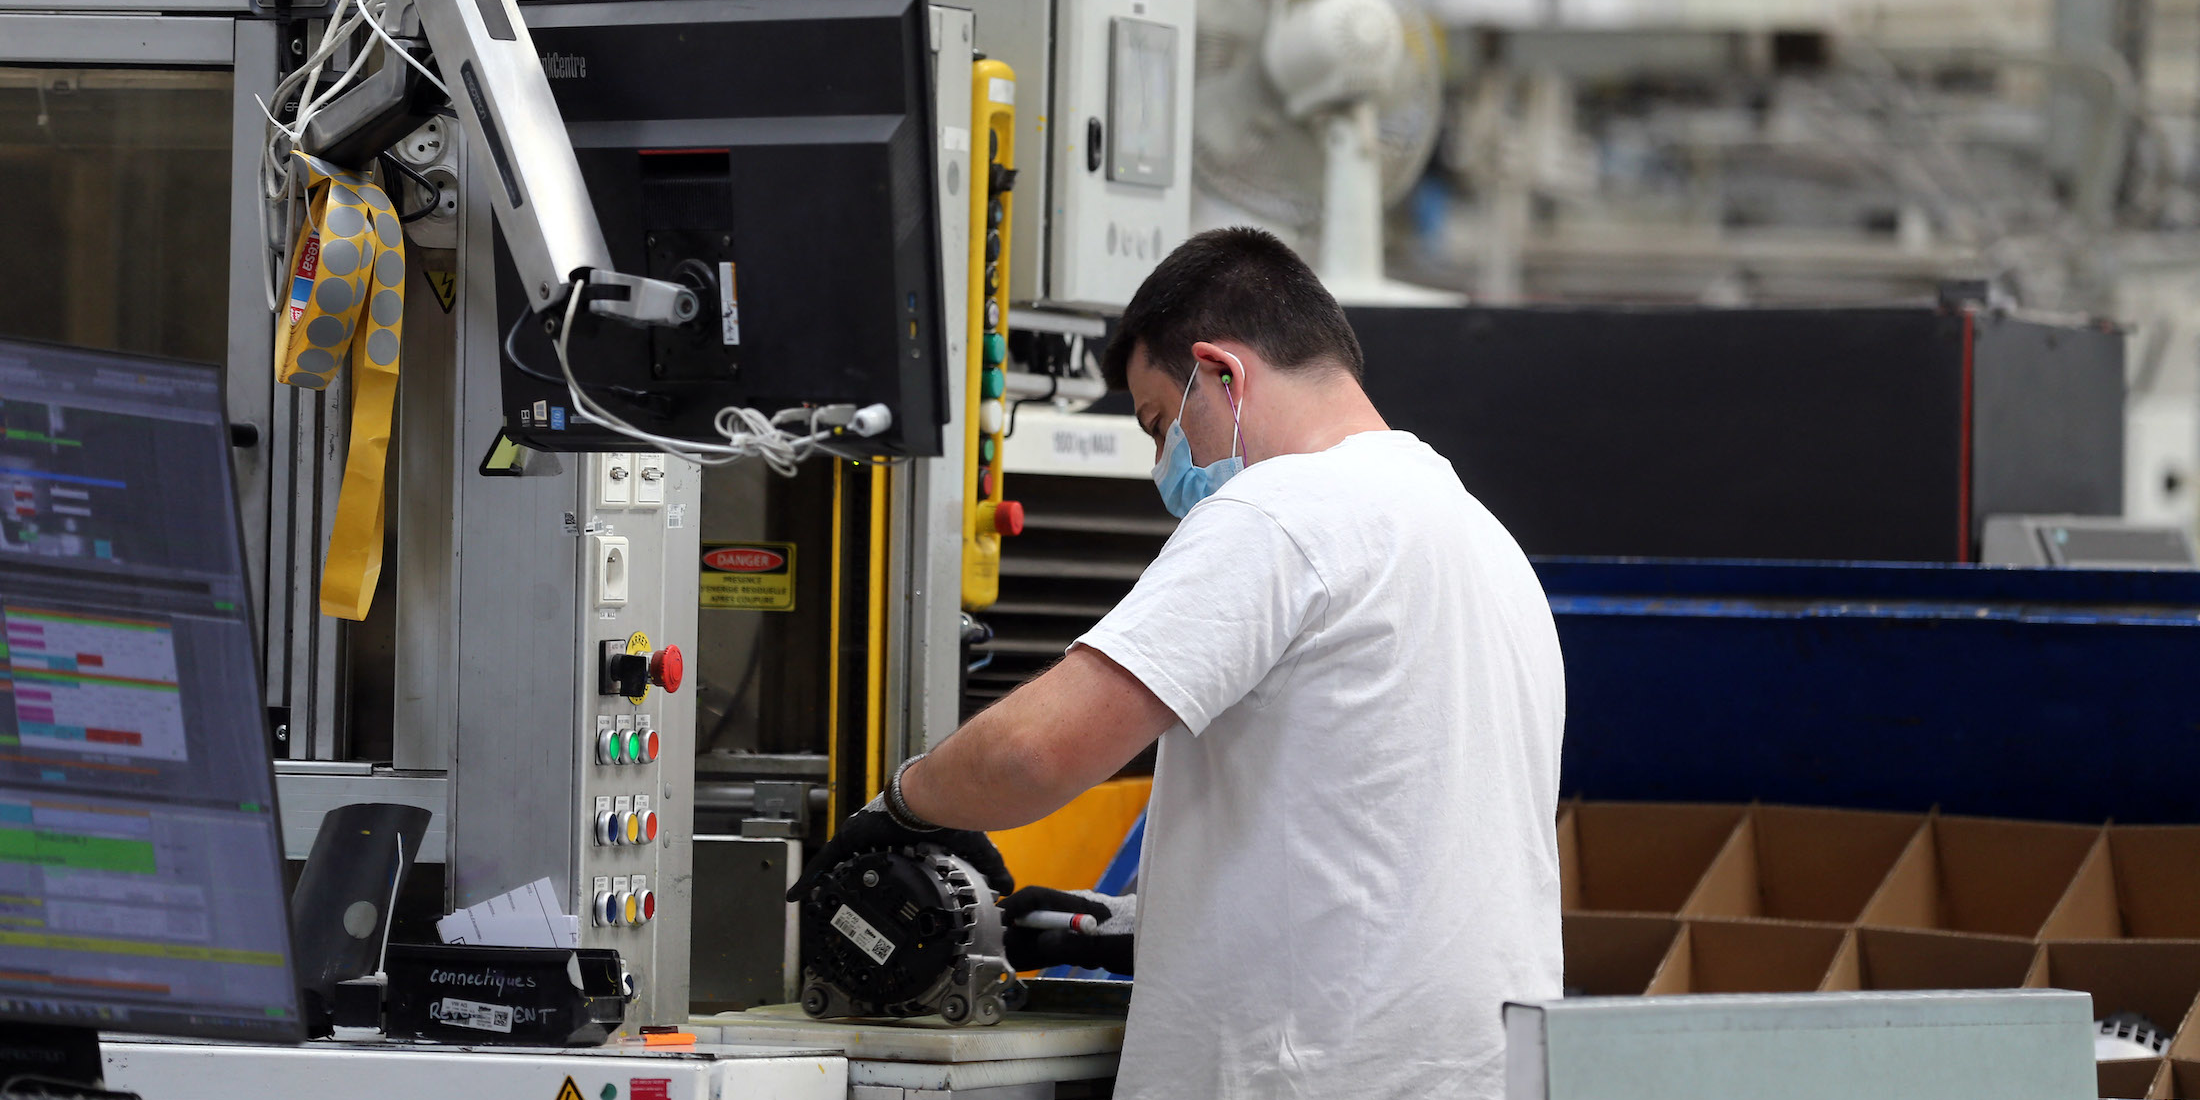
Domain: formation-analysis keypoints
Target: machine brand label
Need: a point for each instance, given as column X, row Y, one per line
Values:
column 565, row 66
column 748, row 576
column 866, row 938
column 476, row 1015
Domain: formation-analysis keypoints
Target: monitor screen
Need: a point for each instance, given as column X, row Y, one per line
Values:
column 141, row 885
column 778, row 156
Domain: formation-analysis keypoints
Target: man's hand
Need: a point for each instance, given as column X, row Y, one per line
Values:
column 872, row 829
column 1109, row 947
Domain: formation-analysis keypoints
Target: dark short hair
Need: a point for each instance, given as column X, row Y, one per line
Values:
column 1237, row 284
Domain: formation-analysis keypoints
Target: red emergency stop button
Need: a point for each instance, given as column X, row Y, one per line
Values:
column 1008, row 517
column 667, row 668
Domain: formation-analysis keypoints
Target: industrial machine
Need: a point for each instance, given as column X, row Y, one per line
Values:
column 1103, row 103
column 1845, row 434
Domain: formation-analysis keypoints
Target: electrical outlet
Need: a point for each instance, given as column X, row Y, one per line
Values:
column 612, row 569
column 615, row 480
column 423, row 146
column 649, row 478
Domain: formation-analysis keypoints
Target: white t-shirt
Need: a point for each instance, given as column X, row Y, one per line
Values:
column 1351, row 860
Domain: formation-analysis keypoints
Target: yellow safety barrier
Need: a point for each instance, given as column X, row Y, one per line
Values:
column 347, row 303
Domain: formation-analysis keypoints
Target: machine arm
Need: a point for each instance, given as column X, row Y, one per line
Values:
column 503, row 100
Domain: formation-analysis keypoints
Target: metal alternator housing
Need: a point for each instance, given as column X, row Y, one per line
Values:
column 906, row 932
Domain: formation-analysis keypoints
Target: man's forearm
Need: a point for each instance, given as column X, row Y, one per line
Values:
column 984, row 778
column 1022, row 758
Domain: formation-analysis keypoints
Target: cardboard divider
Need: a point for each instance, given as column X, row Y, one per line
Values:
column 2178, row 1079
column 2159, row 979
column 1796, row 863
column 2132, row 1079
column 2143, row 883
column 1615, row 954
column 1983, row 875
column 1639, row 857
column 1755, row 956
column 1908, row 958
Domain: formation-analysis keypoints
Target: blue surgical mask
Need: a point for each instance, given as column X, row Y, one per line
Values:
column 1181, row 483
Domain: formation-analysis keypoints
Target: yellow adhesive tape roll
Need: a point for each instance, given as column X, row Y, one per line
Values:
column 347, row 304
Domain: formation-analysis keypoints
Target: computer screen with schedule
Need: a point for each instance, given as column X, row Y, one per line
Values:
column 141, row 884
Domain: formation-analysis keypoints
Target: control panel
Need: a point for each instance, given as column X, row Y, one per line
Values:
column 633, row 730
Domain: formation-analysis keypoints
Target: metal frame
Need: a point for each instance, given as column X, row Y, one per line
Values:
column 924, row 567
column 45, row 36
column 306, row 790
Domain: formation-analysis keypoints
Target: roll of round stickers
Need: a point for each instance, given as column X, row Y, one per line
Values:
column 347, row 305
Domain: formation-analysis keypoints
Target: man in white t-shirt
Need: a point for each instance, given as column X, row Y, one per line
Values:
column 1350, row 858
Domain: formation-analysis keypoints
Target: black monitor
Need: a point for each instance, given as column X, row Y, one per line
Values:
column 141, row 882
column 778, row 156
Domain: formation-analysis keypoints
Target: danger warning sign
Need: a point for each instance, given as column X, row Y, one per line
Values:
column 748, row 576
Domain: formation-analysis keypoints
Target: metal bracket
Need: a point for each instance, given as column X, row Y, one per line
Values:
column 639, row 300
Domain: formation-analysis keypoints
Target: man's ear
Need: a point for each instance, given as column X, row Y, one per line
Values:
column 1227, row 366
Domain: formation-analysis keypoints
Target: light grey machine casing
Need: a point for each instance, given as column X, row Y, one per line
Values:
column 1091, row 224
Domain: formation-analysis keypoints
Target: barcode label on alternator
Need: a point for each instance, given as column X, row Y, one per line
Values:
column 859, row 932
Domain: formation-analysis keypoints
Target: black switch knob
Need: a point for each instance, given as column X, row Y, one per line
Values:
column 623, row 673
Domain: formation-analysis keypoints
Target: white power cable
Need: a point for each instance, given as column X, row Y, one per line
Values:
column 390, row 44
column 748, row 432
column 277, row 176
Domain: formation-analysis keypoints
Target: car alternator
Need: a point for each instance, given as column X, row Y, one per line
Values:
column 906, row 932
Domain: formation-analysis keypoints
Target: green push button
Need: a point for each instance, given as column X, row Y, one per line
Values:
column 996, row 349
column 992, row 382
column 985, row 449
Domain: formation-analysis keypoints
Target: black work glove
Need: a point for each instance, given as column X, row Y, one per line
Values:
column 872, row 829
column 1110, row 948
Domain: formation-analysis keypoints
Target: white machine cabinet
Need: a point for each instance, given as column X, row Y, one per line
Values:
column 1103, row 142
column 335, row 1071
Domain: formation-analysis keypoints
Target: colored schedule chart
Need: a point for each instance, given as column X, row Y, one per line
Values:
column 93, row 684
column 105, row 897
